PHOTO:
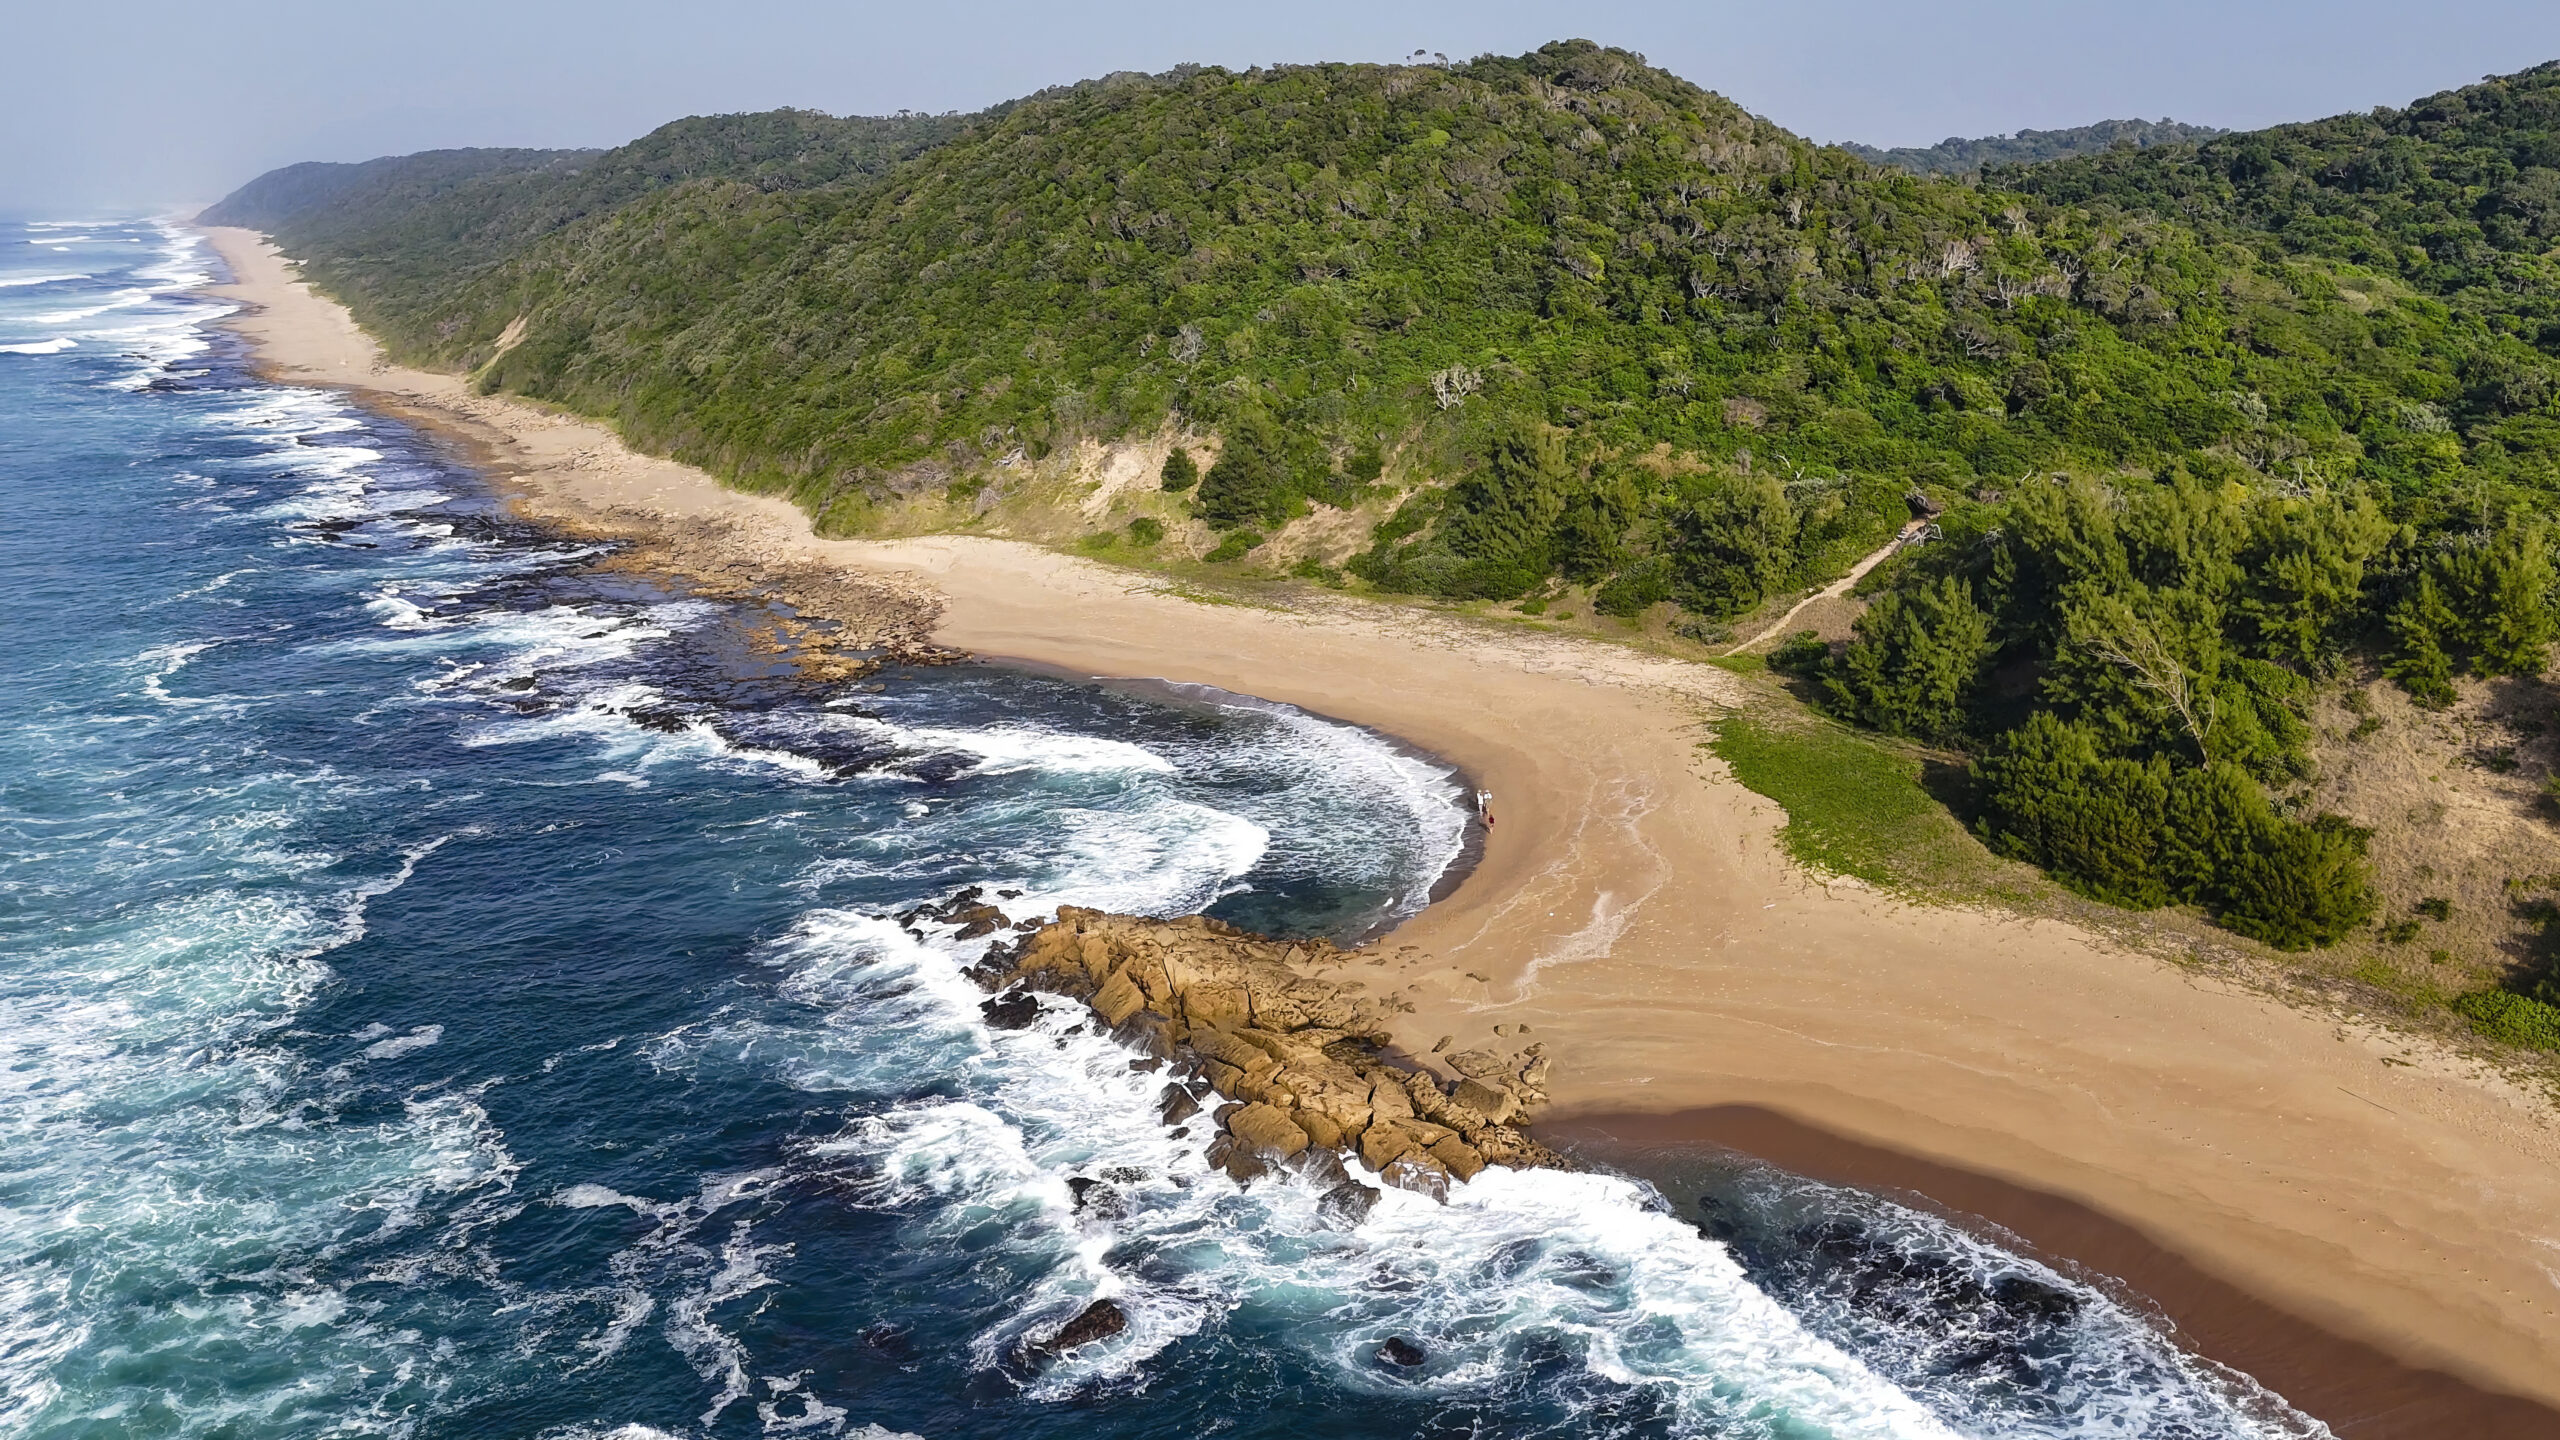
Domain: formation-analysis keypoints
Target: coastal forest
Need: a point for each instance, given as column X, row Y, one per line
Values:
column 1957, row 155
column 2192, row 424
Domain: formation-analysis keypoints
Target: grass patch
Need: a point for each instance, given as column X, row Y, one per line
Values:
column 1856, row 805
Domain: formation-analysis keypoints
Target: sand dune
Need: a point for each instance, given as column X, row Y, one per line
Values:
column 1632, row 909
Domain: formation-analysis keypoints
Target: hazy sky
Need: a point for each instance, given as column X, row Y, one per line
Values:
column 152, row 102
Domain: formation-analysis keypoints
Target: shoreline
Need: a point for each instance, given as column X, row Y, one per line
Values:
column 1471, row 836
column 2359, row 1389
column 1632, row 908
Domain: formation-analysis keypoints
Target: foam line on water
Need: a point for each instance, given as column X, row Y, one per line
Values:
column 1673, row 1312
column 1003, row 749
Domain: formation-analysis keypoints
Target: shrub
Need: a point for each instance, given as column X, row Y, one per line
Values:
column 1803, row 653
column 2435, row 907
column 2134, row 833
column 1915, row 661
column 1180, row 472
column 2506, row 588
column 2419, row 626
column 2095, row 821
column 1250, row 482
column 1643, row 584
column 1233, row 547
column 1733, row 545
column 2216, row 814
column 1146, row 530
column 2516, row 1019
column 2299, row 885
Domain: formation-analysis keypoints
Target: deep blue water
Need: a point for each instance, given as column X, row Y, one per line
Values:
column 443, row 992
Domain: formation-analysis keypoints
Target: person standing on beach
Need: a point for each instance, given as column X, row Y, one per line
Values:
column 1484, row 807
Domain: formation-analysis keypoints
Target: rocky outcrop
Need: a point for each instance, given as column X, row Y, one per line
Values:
column 1301, row 1062
column 1098, row 1321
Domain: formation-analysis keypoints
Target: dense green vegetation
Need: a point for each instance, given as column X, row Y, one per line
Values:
column 2207, row 421
column 1955, row 156
column 392, row 237
column 2131, row 654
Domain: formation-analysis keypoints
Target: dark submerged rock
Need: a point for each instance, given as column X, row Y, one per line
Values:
column 1348, row 1203
column 1720, row 1222
column 1014, row 1010
column 1400, row 1352
column 2027, row 1296
column 1099, row 1321
column 1096, row 1199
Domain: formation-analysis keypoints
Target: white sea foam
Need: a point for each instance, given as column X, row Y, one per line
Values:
column 417, row 1039
column 168, row 1013
column 54, row 346
column 1516, row 1264
column 11, row 282
column 167, row 660
column 121, row 300
column 1366, row 771
column 1005, row 749
column 1516, row 1259
column 597, row 1197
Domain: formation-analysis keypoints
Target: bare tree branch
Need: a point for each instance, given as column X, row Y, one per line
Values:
column 2109, row 629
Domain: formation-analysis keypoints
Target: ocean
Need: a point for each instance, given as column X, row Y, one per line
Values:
column 447, row 988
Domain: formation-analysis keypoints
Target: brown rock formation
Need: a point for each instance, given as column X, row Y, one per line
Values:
column 1301, row 1059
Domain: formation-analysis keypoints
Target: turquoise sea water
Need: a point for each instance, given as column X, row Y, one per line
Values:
column 444, row 991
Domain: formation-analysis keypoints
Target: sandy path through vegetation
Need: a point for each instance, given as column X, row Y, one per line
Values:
column 1836, row 588
column 1632, row 909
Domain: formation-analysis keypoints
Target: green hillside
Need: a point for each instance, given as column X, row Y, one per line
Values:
column 1957, row 156
column 393, row 235
column 2206, row 421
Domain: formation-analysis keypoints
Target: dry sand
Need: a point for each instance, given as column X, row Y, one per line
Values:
column 2314, row 1196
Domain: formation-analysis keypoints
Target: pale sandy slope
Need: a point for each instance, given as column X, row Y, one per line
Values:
column 1632, row 908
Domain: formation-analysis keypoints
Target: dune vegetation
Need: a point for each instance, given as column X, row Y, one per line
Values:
column 2199, row 423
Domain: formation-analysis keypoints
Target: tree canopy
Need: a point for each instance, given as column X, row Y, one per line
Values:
column 2199, row 415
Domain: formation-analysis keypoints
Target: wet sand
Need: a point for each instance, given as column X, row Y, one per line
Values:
column 1632, row 909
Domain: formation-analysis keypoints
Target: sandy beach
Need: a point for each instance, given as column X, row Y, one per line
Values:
column 2368, row 1225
